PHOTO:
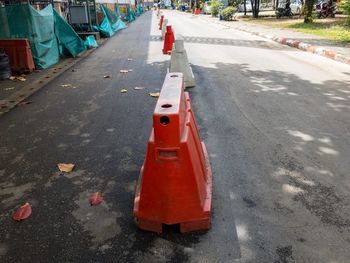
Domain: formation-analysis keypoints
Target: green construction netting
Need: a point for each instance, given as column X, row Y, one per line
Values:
column 23, row 21
column 90, row 41
column 44, row 29
column 130, row 16
column 67, row 37
column 111, row 22
column 139, row 10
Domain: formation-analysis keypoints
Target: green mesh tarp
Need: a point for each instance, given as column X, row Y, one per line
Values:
column 138, row 11
column 130, row 16
column 23, row 21
column 90, row 42
column 49, row 35
column 111, row 23
column 67, row 37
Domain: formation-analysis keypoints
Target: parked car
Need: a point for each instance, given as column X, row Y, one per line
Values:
column 248, row 6
column 295, row 6
column 207, row 7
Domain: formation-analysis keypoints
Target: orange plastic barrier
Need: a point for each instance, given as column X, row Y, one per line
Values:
column 169, row 40
column 175, row 182
column 161, row 22
column 20, row 54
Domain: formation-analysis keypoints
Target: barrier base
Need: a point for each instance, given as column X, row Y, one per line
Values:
column 150, row 226
column 195, row 225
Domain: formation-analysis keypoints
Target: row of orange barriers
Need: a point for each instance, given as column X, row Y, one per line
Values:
column 175, row 182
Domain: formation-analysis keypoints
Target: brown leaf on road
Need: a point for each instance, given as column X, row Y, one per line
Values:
column 22, row 212
column 95, row 199
column 65, row 167
column 21, row 78
column 12, row 78
column 124, row 91
column 154, row 94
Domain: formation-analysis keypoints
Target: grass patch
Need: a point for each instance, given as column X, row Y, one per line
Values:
column 333, row 28
column 339, row 31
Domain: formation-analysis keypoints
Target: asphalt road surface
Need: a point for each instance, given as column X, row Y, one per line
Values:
column 276, row 123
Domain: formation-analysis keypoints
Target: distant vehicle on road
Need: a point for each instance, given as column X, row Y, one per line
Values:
column 248, row 6
column 207, row 7
column 295, row 6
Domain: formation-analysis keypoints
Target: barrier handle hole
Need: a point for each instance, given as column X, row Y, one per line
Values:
column 174, row 76
column 167, row 106
column 164, row 120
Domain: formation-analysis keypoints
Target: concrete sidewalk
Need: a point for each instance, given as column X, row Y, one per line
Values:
column 307, row 42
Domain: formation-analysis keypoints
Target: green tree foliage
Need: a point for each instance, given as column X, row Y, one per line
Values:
column 234, row 3
column 345, row 5
column 228, row 13
column 215, row 5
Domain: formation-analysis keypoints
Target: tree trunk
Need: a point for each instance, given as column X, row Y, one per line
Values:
column 308, row 11
column 255, row 8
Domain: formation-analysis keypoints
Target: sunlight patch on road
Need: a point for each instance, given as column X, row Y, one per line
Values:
column 305, row 137
column 327, row 150
column 291, row 189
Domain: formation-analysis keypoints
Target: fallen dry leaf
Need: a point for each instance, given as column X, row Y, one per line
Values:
column 22, row 212
column 21, row 78
column 10, row 88
column 65, row 167
column 124, row 71
column 23, row 103
column 96, row 198
column 154, row 94
column 139, row 88
column 106, row 76
column 124, row 91
column 66, row 85
column 23, row 75
column 12, row 78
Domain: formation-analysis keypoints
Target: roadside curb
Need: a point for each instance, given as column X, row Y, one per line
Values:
column 318, row 50
column 304, row 46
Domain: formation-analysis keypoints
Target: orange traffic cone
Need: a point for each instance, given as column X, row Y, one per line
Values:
column 175, row 182
column 196, row 11
column 161, row 22
column 169, row 40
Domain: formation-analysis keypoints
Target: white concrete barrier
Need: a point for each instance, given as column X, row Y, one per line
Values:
column 165, row 22
column 179, row 62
